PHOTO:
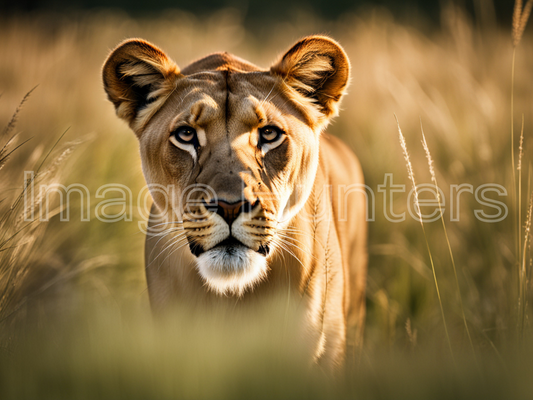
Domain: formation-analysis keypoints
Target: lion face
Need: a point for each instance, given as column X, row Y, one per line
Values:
column 228, row 150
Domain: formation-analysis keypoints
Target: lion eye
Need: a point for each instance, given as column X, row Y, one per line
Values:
column 270, row 134
column 185, row 135
column 186, row 138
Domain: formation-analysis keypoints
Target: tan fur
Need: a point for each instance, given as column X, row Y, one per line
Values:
column 314, row 233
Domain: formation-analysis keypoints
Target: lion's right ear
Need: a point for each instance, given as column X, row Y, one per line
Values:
column 138, row 78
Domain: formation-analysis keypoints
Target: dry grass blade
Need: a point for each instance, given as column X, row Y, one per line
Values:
column 525, row 16
column 521, row 146
column 517, row 12
column 17, row 243
column 527, row 227
column 408, row 164
column 27, row 184
column 519, row 168
column 412, row 178
column 520, row 18
column 411, row 333
column 522, row 277
column 5, row 157
column 96, row 262
column 7, row 144
column 434, row 180
column 51, row 175
column 13, row 121
column 15, row 234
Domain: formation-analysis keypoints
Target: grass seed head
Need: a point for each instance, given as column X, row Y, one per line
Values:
column 520, row 18
column 408, row 164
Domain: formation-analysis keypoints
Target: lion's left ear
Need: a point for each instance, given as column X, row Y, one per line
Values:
column 318, row 68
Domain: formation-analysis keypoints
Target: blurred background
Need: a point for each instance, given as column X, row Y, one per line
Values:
column 275, row 9
column 74, row 313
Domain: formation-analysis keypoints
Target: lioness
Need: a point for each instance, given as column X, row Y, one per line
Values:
column 271, row 201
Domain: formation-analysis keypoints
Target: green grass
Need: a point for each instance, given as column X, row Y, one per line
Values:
column 76, row 324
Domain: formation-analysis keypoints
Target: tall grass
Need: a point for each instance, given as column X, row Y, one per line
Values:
column 520, row 18
column 19, row 235
column 86, row 330
column 411, row 176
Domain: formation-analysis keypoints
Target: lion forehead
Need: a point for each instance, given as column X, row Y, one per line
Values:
column 220, row 61
column 245, row 98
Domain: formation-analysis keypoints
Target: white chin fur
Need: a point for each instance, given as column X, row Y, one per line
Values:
column 231, row 270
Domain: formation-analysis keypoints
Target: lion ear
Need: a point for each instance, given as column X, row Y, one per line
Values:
column 138, row 77
column 317, row 67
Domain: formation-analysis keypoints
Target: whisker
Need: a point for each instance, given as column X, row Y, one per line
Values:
column 285, row 237
column 174, row 250
column 283, row 244
column 162, row 251
column 161, row 238
column 163, row 233
column 289, row 237
column 179, row 243
column 165, row 223
column 302, row 233
column 176, row 242
column 266, row 97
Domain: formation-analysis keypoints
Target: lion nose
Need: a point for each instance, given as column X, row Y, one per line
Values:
column 230, row 211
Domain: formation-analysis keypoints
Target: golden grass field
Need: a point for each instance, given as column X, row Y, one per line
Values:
column 74, row 313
